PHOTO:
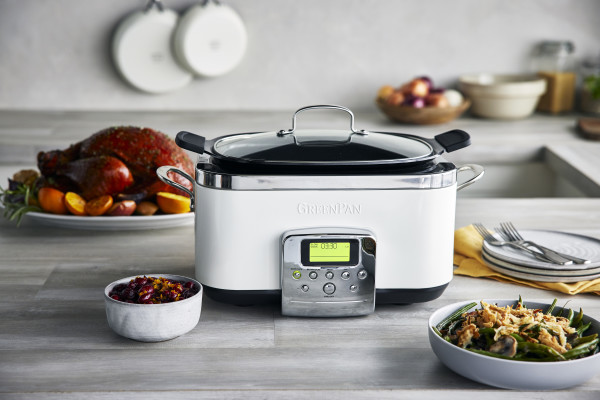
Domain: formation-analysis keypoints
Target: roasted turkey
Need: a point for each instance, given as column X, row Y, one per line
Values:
column 116, row 161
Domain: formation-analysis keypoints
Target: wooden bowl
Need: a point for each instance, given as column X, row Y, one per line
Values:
column 422, row 116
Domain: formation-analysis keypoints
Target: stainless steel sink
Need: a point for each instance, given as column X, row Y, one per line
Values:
column 519, row 180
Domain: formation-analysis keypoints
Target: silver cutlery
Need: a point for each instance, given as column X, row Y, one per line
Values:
column 553, row 258
column 513, row 235
column 492, row 240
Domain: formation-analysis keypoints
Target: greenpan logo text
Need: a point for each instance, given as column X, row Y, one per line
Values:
column 326, row 209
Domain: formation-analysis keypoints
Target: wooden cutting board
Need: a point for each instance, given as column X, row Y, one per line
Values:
column 589, row 128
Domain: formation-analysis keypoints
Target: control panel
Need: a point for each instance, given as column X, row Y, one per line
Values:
column 327, row 272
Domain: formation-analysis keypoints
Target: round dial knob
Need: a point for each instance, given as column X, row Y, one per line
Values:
column 329, row 288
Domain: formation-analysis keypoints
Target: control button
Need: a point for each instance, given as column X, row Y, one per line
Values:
column 313, row 275
column 297, row 274
column 329, row 275
column 362, row 274
column 345, row 275
column 353, row 288
column 329, row 288
column 369, row 245
column 304, row 288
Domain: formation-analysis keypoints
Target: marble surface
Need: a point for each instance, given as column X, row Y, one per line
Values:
column 55, row 342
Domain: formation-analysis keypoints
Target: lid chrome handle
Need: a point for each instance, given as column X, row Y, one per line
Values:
column 284, row 132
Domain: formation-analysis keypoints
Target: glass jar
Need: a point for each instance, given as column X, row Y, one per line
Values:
column 590, row 90
column 554, row 61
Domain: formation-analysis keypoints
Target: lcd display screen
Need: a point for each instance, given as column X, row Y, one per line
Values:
column 329, row 252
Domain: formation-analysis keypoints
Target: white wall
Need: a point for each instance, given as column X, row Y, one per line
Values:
column 54, row 54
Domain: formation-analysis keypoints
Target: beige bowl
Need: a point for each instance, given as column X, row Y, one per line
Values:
column 502, row 96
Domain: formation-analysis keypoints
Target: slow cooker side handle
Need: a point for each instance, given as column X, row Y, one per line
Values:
column 162, row 173
column 478, row 172
column 453, row 140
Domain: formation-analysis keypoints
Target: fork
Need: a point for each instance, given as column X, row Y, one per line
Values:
column 491, row 239
column 513, row 234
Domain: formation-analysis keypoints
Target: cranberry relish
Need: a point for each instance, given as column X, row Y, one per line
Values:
column 149, row 290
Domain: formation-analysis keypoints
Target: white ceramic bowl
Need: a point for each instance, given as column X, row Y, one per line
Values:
column 511, row 374
column 153, row 322
column 502, row 96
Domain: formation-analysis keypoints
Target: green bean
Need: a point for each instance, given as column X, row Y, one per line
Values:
column 488, row 335
column 577, row 320
column 436, row 330
column 584, row 339
column 538, row 349
column 489, row 353
column 453, row 325
column 581, row 349
column 589, row 344
column 456, row 314
column 551, row 308
column 517, row 337
column 520, row 302
column 583, row 328
column 570, row 316
column 523, row 357
column 550, row 330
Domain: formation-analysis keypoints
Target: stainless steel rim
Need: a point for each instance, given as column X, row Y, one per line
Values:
column 225, row 181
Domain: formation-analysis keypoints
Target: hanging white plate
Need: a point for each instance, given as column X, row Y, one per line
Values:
column 210, row 39
column 142, row 51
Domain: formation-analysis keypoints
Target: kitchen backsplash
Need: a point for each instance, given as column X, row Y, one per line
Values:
column 55, row 55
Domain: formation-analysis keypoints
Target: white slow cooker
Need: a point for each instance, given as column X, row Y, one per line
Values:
column 329, row 223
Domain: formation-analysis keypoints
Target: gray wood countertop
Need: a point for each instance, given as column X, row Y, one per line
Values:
column 55, row 342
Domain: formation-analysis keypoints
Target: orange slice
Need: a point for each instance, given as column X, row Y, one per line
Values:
column 99, row 205
column 75, row 203
column 171, row 203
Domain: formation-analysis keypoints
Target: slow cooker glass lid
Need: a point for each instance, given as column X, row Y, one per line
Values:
column 324, row 147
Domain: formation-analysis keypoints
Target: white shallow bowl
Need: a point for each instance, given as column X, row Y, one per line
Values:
column 511, row 374
column 503, row 96
column 153, row 322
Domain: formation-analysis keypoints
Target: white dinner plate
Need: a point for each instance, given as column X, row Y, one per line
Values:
column 134, row 222
column 516, row 272
column 567, row 270
column 564, row 242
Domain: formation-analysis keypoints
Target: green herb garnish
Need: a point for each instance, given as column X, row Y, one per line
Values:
column 15, row 200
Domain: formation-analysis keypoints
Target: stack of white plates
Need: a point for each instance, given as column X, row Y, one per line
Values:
column 518, row 264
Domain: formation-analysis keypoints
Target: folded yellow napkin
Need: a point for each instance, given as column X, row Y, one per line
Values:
column 467, row 257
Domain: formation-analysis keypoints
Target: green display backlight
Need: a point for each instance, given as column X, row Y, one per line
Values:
column 329, row 252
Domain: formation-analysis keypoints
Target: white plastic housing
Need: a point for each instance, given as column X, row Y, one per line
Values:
column 238, row 233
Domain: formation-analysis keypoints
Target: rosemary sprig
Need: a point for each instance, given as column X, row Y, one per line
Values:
column 15, row 200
